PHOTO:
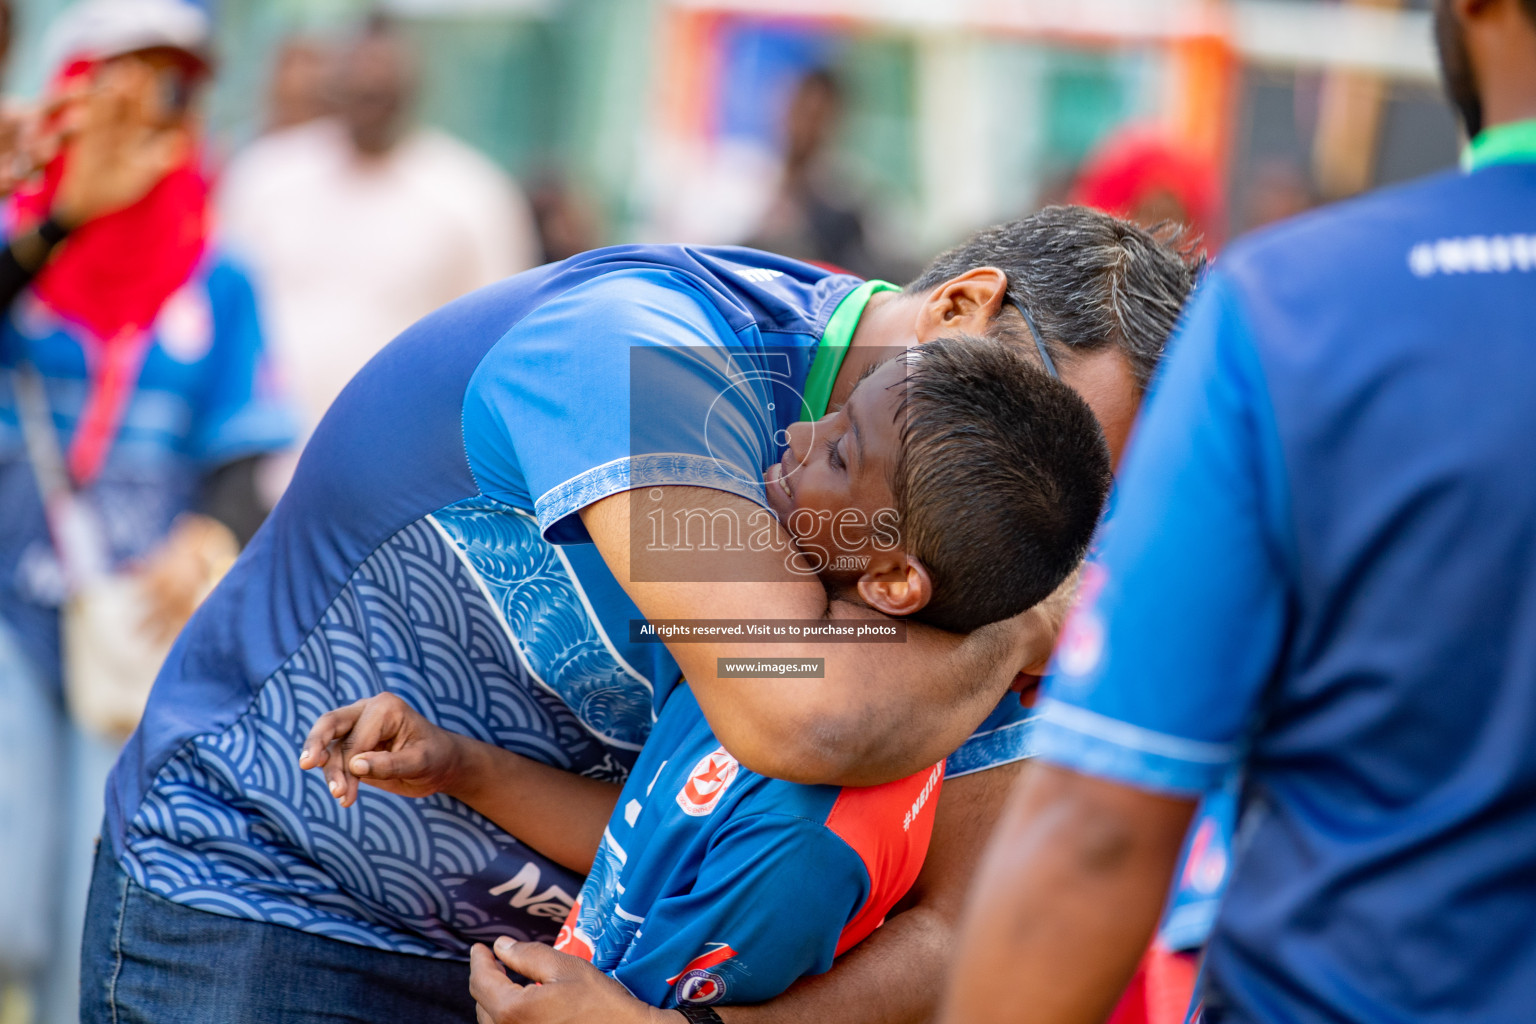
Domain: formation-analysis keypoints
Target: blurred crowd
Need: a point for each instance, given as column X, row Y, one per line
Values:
column 174, row 331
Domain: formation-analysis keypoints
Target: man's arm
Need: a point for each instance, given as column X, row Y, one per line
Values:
column 1066, row 899
column 891, row 977
column 883, row 711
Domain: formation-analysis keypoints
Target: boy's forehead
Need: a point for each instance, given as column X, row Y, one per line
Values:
column 882, row 377
column 873, row 409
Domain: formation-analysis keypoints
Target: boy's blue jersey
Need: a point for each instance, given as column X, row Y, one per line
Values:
column 716, row 884
column 1323, row 569
column 429, row 545
column 204, row 397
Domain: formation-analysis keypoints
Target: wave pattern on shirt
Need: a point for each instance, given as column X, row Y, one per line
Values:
column 234, row 827
column 558, row 640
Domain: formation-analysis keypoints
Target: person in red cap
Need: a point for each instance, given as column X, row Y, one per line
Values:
column 133, row 407
column 1139, row 174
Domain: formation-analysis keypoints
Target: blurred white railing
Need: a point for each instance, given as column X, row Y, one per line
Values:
column 1268, row 32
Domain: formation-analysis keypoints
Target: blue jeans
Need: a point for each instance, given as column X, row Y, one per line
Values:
column 52, row 775
column 31, row 791
column 150, row 961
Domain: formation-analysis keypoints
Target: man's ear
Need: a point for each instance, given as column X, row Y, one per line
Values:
column 964, row 304
column 896, row 584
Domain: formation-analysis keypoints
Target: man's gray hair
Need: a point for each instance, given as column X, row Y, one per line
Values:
column 1088, row 280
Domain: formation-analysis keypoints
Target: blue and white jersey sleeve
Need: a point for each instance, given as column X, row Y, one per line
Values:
column 240, row 411
column 1005, row 737
column 1159, row 675
column 772, row 898
column 633, row 379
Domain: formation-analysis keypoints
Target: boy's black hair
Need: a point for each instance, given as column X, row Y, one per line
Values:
column 1001, row 480
column 1089, row 280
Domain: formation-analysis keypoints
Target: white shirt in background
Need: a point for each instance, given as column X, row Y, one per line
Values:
column 348, row 251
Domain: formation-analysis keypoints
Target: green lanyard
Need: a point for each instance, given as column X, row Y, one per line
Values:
column 834, row 346
column 1513, row 143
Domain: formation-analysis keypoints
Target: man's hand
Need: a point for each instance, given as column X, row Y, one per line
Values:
column 384, row 742
column 565, row 989
column 179, row 573
column 120, row 143
column 22, row 145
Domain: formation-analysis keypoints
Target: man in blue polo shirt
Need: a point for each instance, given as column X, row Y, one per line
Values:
column 459, row 533
column 1323, row 569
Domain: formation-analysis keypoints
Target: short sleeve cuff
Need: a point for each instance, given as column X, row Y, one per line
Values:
column 992, row 748
column 666, row 469
column 1094, row 744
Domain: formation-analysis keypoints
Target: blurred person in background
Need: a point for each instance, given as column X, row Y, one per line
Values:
column 299, row 91
column 814, row 215
column 1323, row 573
column 568, row 220
column 140, row 348
column 360, row 224
column 1139, row 174
column 1278, row 190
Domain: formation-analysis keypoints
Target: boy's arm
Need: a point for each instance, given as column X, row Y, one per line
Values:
column 881, row 711
column 559, row 813
column 386, row 743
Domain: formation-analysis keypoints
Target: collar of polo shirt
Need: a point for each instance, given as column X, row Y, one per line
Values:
column 1513, row 143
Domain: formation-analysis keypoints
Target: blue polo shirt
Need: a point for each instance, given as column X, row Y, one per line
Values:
column 430, row 545
column 1323, row 569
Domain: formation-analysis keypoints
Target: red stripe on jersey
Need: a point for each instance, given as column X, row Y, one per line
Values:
column 888, row 827
column 704, row 961
column 570, row 940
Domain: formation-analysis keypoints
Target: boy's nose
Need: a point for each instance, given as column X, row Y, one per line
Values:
column 798, row 439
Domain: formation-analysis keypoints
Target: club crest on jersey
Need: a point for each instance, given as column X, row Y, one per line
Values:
column 707, row 783
column 697, row 984
column 700, row 988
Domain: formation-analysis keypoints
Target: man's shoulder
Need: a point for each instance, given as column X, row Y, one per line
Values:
column 225, row 272
column 782, row 298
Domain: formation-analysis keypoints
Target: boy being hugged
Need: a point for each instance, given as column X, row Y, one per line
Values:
column 708, row 882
